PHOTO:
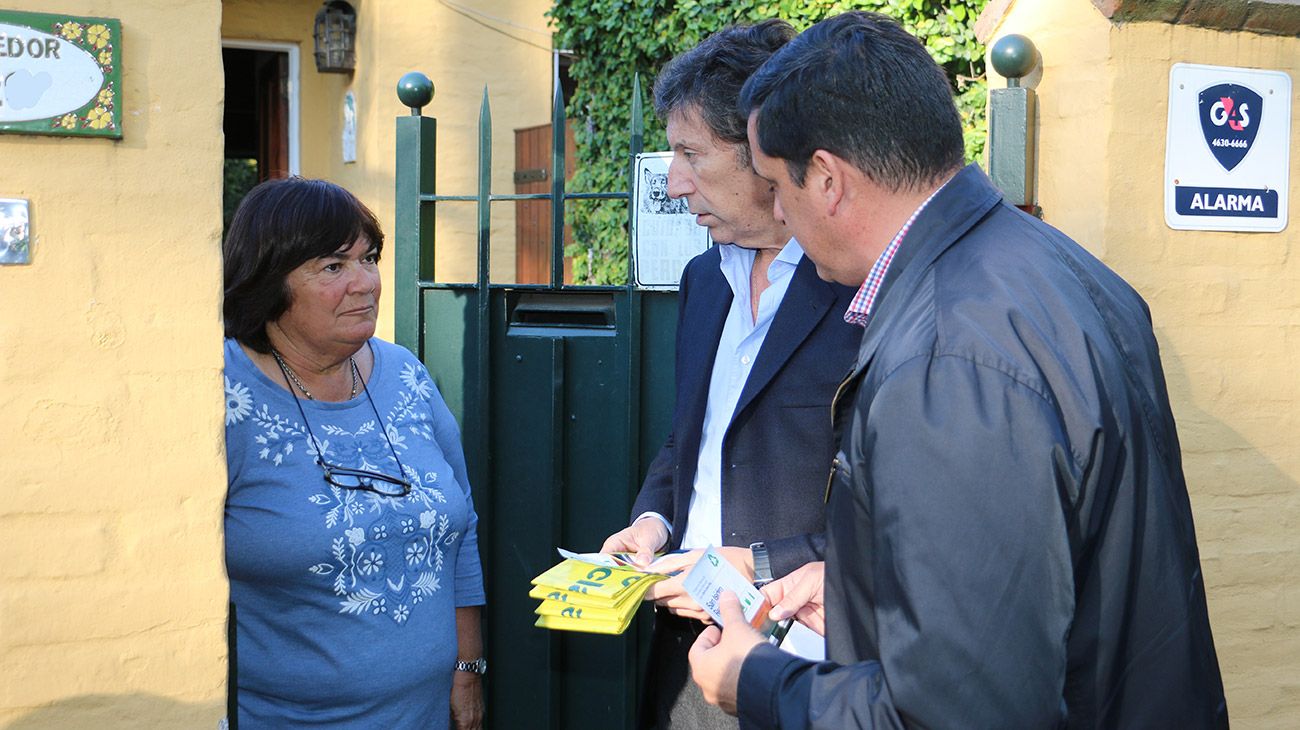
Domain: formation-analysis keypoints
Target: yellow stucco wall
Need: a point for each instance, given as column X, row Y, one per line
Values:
column 462, row 46
column 1226, row 308
column 112, row 595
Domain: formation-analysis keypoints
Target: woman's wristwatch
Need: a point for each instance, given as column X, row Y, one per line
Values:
column 478, row 666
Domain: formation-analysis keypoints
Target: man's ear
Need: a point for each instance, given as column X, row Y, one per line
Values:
column 825, row 178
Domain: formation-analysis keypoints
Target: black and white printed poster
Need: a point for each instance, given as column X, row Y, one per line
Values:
column 664, row 233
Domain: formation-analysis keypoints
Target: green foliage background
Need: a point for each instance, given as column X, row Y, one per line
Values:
column 614, row 39
column 238, row 177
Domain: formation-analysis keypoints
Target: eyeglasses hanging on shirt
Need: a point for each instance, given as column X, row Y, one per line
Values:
column 345, row 477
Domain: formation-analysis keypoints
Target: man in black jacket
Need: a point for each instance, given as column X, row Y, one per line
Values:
column 1010, row 542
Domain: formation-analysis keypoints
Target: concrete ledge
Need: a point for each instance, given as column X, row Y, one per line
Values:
column 1215, row 13
column 1132, row 11
column 1281, row 17
column 1271, row 17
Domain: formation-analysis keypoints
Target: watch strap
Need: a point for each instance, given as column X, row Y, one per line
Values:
column 478, row 666
column 762, row 564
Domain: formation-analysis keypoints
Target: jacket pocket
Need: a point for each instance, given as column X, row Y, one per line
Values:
column 841, row 476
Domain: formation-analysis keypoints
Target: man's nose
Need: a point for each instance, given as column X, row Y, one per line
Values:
column 679, row 179
column 776, row 209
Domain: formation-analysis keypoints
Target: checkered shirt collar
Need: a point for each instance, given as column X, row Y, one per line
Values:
column 859, row 311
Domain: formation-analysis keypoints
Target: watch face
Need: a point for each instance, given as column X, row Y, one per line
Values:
column 478, row 666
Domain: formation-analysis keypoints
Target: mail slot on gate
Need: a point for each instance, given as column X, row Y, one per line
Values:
column 547, row 314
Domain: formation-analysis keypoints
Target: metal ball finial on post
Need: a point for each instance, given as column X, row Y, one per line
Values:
column 415, row 90
column 1014, row 57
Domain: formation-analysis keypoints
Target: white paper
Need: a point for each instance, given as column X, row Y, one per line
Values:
column 594, row 558
column 711, row 576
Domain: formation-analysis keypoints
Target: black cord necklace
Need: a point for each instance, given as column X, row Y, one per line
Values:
column 347, row 477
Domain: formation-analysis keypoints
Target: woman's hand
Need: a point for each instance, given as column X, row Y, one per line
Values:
column 466, row 701
column 467, row 687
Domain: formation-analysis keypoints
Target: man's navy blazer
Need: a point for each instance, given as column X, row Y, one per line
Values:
column 777, row 451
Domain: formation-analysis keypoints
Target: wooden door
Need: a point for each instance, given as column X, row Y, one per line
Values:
column 533, row 217
column 273, row 115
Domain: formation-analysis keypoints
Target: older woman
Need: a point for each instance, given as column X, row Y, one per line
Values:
column 350, row 532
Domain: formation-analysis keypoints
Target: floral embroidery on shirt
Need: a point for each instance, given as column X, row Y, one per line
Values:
column 277, row 436
column 387, row 553
column 414, row 574
column 422, row 388
column 239, row 401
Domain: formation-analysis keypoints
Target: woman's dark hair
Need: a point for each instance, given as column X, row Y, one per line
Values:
column 859, row 86
column 279, row 226
column 709, row 76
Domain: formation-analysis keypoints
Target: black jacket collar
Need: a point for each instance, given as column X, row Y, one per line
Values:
column 963, row 202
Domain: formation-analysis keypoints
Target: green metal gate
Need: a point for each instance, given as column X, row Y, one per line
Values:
column 564, row 394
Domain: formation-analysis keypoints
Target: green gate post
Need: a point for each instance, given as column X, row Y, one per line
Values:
column 1013, row 122
column 641, row 629
column 558, row 133
column 479, row 425
column 417, row 138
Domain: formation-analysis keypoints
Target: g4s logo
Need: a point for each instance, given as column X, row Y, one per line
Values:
column 1225, row 109
column 1230, row 118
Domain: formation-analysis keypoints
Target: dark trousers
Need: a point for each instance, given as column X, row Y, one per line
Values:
column 670, row 699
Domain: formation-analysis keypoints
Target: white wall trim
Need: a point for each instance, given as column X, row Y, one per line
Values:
column 294, row 86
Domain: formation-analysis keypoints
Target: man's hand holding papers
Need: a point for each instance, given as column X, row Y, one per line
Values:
column 799, row 594
column 671, row 594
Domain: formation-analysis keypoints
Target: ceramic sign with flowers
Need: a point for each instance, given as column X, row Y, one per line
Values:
column 60, row 74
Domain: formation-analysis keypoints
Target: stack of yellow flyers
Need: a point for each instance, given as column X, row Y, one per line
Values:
column 593, row 593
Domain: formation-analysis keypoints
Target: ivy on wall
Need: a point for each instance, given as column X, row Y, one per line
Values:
column 614, row 39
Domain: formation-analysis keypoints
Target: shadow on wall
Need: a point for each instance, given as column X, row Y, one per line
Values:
column 122, row 712
column 1247, row 511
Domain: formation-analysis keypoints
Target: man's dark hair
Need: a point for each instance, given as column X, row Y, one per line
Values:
column 860, row 87
column 708, row 77
column 279, row 226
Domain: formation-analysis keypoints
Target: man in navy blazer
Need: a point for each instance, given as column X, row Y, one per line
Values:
column 761, row 347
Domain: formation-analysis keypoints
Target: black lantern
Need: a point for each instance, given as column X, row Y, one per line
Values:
column 336, row 38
